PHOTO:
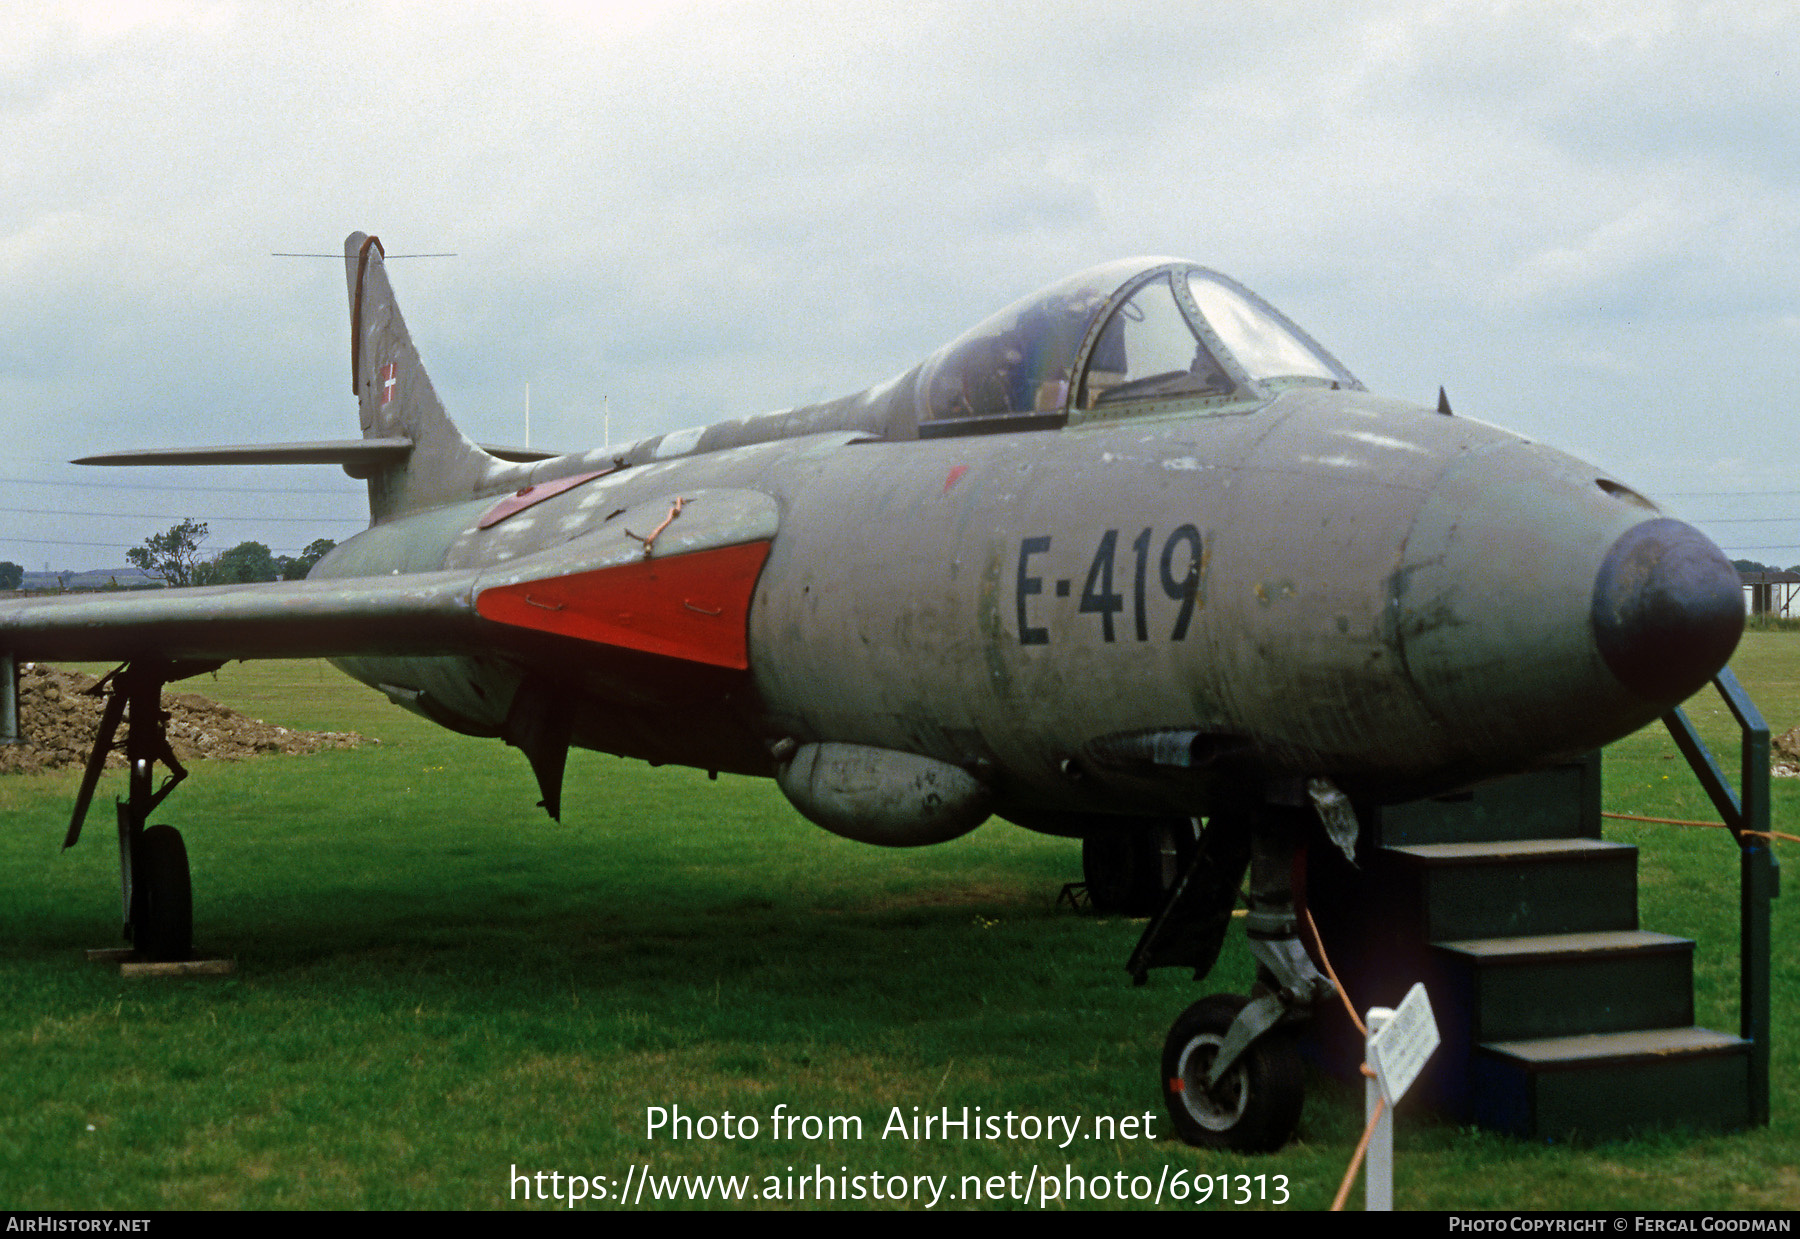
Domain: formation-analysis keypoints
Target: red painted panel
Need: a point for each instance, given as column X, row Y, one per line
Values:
column 694, row 606
column 519, row 500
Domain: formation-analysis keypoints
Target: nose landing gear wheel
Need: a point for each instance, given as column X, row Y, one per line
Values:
column 1255, row 1107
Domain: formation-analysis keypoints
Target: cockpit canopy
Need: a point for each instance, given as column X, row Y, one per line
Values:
column 1115, row 340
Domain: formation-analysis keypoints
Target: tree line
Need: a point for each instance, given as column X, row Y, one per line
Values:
column 174, row 556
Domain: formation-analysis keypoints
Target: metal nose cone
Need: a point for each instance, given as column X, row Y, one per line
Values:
column 1668, row 610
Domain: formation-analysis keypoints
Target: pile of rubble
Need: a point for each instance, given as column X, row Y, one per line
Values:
column 1784, row 754
column 58, row 720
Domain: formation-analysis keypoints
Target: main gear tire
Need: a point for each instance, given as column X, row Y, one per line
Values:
column 167, row 931
column 1255, row 1107
column 1131, row 866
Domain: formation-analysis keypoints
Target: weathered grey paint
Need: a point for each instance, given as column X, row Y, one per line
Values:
column 882, row 795
column 1325, row 583
column 1125, row 608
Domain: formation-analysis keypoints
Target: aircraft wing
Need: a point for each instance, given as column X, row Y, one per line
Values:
column 685, row 595
column 419, row 613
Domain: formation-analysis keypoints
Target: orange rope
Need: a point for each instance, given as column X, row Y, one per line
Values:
column 1336, row 984
column 1356, row 1160
column 1676, row 821
column 1362, row 1146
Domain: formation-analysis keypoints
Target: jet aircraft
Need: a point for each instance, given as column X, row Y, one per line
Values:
column 1133, row 554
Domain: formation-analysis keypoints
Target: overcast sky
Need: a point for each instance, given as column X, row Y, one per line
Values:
column 1582, row 219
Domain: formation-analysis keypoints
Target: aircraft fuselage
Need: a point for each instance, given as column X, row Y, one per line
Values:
column 1327, row 583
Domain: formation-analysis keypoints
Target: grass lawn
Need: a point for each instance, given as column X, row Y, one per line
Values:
column 436, row 984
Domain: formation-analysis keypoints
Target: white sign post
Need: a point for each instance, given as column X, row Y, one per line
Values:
column 1400, row 1041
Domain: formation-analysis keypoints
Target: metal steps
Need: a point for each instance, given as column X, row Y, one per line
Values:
column 1564, row 985
column 1522, row 886
column 1559, row 1016
column 1613, row 1083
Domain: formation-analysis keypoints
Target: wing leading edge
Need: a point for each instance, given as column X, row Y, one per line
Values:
column 685, row 595
column 422, row 613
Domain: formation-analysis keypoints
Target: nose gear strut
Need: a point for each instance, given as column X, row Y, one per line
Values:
column 1231, row 1073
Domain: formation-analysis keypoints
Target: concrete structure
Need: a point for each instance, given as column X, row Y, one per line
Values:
column 1772, row 593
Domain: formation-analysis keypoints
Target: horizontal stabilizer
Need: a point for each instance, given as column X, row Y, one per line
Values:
column 358, row 456
column 356, row 452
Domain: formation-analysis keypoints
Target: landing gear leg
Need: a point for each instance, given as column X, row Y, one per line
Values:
column 155, row 886
column 1231, row 1075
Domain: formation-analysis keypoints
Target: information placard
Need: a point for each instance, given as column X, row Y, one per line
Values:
column 1398, row 1050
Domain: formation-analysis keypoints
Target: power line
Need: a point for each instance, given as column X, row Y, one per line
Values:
column 1740, row 520
column 248, row 490
column 67, row 542
column 159, row 516
column 117, row 546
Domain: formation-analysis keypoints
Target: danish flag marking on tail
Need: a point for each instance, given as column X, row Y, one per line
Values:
column 387, row 383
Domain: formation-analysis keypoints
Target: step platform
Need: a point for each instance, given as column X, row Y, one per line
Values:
column 1607, row 1085
column 1559, row 1015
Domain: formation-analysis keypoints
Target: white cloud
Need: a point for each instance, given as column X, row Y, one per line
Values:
column 713, row 209
column 1603, row 259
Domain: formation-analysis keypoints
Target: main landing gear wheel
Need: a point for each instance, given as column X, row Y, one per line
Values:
column 1130, row 867
column 1255, row 1107
column 167, row 929
column 155, row 887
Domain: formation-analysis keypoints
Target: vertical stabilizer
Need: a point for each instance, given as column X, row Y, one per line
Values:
column 395, row 399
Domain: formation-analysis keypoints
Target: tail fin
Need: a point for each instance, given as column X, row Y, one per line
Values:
column 411, row 453
column 396, row 401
